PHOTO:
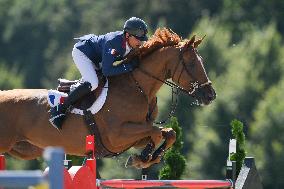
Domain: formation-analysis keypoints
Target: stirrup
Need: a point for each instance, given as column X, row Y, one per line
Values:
column 57, row 116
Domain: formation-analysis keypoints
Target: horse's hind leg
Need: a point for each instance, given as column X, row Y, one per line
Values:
column 25, row 150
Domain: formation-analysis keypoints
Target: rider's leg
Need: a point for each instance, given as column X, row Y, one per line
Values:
column 89, row 76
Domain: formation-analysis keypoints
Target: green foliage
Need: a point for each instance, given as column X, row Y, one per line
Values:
column 238, row 134
column 266, row 131
column 243, row 53
column 174, row 160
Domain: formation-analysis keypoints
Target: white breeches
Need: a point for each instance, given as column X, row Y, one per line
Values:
column 85, row 67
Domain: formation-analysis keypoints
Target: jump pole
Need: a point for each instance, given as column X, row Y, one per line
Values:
column 131, row 184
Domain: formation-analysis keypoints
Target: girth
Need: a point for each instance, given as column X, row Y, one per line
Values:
column 101, row 151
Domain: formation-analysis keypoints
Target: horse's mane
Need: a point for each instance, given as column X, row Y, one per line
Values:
column 163, row 37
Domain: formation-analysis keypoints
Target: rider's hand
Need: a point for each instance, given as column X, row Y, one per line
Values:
column 118, row 62
column 134, row 62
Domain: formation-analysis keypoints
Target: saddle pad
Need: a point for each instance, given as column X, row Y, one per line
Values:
column 97, row 105
column 55, row 97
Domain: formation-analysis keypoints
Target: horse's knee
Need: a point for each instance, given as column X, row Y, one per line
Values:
column 171, row 135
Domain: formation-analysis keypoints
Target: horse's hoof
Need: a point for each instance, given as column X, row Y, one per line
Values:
column 157, row 160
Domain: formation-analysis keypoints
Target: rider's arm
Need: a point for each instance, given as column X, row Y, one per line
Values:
column 107, row 61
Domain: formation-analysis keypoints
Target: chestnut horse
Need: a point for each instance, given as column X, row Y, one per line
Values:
column 25, row 129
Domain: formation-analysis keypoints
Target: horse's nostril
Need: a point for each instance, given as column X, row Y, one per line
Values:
column 211, row 96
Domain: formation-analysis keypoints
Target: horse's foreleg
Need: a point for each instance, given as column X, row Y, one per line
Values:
column 170, row 137
column 142, row 143
column 130, row 133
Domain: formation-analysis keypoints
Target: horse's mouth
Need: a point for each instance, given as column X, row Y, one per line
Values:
column 205, row 96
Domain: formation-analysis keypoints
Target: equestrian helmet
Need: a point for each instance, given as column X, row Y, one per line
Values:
column 137, row 28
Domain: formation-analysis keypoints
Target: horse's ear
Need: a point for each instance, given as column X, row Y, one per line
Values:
column 196, row 43
column 191, row 41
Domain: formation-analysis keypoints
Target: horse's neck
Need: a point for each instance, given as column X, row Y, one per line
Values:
column 156, row 65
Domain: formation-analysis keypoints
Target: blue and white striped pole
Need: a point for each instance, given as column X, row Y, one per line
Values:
column 54, row 158
column 23, row 179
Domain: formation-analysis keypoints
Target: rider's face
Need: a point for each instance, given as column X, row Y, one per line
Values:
column 133, row 41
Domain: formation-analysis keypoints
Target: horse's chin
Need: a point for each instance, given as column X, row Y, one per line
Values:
column 205, row 102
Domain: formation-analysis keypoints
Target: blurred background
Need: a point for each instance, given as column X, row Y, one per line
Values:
column 243, row 53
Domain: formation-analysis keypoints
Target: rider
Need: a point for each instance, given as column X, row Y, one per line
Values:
column 99, row 52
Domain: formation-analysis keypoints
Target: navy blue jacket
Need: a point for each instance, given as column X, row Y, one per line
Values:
column 104, row 50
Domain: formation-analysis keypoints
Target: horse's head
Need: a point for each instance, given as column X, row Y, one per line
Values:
column 183, row 64
column 189, row 73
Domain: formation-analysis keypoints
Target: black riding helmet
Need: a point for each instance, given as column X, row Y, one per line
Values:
column 136, row 27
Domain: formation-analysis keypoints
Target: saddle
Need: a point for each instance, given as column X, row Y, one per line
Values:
column 86, row 101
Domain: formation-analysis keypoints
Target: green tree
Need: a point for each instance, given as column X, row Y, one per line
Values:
column 252, row 13
column 174, row 160
column 34, row 34
column 266, row 133
column 238, row 134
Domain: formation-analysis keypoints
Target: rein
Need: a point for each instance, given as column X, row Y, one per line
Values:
column 150, row 111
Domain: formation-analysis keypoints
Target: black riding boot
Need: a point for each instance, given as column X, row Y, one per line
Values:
column 57, row 113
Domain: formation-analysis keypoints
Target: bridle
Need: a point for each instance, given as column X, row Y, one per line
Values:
column 195, row 84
